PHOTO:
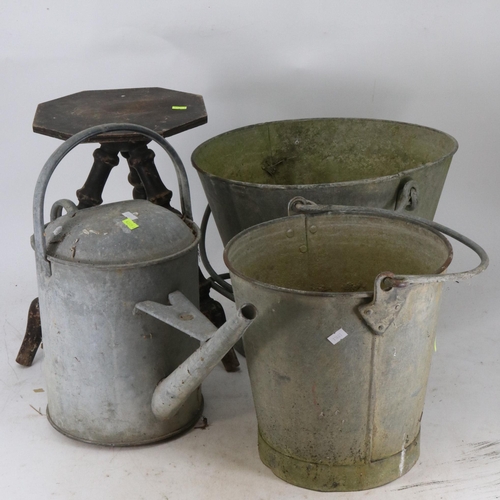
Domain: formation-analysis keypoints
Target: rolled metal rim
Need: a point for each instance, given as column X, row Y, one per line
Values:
column 270, row 286
column 369, row 180
column 396, row 280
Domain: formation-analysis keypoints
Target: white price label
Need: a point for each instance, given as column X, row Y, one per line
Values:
column 336, row 337
column 129, row 215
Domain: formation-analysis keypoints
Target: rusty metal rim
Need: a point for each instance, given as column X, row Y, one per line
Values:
column 330, row 184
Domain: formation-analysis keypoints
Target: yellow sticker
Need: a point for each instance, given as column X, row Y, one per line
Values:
column 179, row 107
column 435, row 345
column 130, row 223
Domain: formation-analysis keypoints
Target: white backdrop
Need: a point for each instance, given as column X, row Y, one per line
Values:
column 433, row 63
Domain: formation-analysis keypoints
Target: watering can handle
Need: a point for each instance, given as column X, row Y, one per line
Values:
column 300, row 205
column 66, row 147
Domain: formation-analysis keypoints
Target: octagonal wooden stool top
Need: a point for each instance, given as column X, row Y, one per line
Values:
column 165, row 111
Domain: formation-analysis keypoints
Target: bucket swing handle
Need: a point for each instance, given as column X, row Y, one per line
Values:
column 63, row 150
column 390, row 290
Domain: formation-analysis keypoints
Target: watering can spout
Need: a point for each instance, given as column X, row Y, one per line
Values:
column 172, row 392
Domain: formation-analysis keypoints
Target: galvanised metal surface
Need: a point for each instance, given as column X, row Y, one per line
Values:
column 250, row 174
column 338, row 372
column 102, row 362
column 171, row 393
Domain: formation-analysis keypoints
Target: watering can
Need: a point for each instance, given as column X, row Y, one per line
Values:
column 103, row 364
column 339, row 355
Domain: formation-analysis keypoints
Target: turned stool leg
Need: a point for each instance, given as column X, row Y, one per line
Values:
column 105, row 158
column 142, row 167
column 138, row 193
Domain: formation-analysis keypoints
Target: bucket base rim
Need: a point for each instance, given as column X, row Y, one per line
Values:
column 331, row 477
column 163, row 437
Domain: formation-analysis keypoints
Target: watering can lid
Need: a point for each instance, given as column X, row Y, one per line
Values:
column 116, row 234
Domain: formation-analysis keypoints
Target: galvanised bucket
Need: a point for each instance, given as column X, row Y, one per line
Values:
column 340, row 355
column 250, row 174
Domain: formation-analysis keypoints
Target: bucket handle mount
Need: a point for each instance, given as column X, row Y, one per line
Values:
column 407, row 197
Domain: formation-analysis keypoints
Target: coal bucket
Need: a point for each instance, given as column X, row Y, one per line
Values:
column 339, row 358
column 250, row 174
